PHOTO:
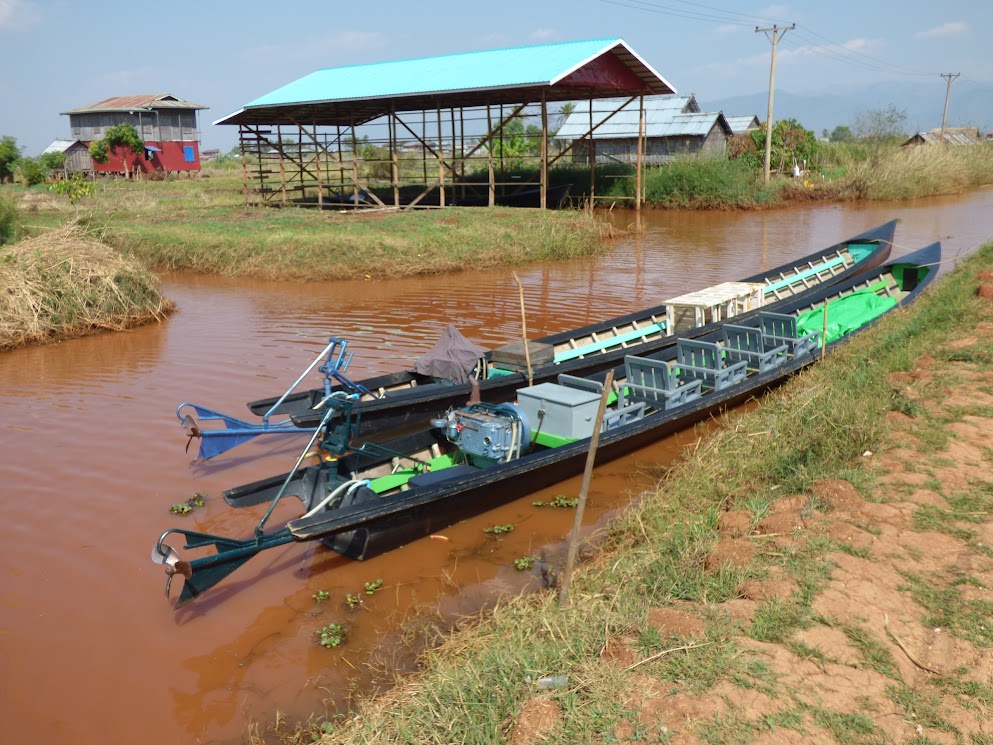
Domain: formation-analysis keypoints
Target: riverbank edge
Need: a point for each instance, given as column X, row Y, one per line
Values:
column 200, row 225
column 701, row 584
column 66, row 284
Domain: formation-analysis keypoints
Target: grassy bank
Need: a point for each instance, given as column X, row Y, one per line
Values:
column 708, row 613
column 66, row 283
column 844, row 172
column 200, row 225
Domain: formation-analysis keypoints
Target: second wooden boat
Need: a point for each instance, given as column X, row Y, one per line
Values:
column 365, row 498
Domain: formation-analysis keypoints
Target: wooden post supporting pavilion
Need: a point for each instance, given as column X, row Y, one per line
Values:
column 317, row 169
column 441, row 163
column 282, row 168
column 489, row 158
column 544, row 152
column 394, row 161
column 641, row 145
column 592, row 155
column 355, row 165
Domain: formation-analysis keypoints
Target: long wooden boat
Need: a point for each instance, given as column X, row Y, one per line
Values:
column 395, row 400
column 369, row 498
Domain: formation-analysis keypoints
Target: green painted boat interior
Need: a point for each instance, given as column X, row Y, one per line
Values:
column 496, row 372
column 859, row 251
column 551, row 441
column 844, row 314
column 402, row 476
column 613, row 341
column 793, row 278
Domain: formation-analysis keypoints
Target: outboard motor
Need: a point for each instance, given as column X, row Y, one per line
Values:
column 487, row 433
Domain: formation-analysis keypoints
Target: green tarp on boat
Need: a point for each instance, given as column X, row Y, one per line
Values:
column 844, row 314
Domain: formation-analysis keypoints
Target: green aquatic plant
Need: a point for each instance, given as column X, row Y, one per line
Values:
column 558, row 501
column 332, row 635
column 371, row 588
column 321, row 595
column 524, row 563
column 185, row 508
column 499, row 529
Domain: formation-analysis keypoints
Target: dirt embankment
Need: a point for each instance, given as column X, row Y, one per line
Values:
column 899, row 647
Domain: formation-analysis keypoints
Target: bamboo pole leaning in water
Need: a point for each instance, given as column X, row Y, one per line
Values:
column 524, row 329
column 583, row 490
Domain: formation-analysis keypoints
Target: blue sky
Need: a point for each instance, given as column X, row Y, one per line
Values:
column 56, row 55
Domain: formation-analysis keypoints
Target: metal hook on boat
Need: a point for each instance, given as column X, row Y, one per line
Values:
column 169, row 557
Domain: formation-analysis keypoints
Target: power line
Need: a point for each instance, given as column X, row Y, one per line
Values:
column 871, row 62
column 832, row 49
column 675, row 12
column 747, row 19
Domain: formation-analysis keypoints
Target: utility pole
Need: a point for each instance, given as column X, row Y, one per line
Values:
column 949, row 76
column 773, row 34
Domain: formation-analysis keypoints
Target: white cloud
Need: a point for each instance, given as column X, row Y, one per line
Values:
column 775, row 12
column 789, row 54
column 544, row 34
column 16, row 15
column 945, row 29
column 729, row 28
column 356, row 41
column 317, row 51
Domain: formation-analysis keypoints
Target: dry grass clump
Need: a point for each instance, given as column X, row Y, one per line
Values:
column 66, row 283
column 921, row 171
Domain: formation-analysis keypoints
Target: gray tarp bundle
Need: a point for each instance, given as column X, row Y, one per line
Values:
column 452, row 357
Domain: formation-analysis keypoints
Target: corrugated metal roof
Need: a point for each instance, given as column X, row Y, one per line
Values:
column 145, row 102
column 740, row 124
column 364, row 92
column 59, row 146
column 953, row 136
column 665, row 116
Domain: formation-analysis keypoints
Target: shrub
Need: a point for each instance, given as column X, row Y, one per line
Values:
column 701, row 182
column 31, row 172
column 75, row 187
column 9, row 220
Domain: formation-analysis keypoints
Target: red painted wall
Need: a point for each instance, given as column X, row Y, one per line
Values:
column 170, row 159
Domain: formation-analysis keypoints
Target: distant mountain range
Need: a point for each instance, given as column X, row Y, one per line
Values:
column 970, row 105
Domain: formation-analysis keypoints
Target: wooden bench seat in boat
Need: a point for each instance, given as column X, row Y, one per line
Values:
column 746, row 343
column 704, row 361
column 653, row 383
column 780, row 328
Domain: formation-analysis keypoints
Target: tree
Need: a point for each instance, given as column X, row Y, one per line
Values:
column 515, row 140
column 791, row 144
column 567, row 108
column 118, row 140
column 10, row 153
column 841, row 133
column 52, row 161
column 877, row 127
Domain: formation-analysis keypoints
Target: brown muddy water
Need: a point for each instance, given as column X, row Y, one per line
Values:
column 92, row 458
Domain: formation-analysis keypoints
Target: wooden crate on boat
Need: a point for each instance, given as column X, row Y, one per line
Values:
column 511, row 356
column 717, row 303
